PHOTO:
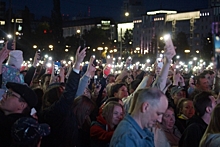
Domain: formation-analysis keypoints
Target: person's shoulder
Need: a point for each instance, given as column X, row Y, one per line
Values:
column 124, row 138
column 125, row 127
column 213, row 140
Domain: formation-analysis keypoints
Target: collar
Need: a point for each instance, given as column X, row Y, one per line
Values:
column 182, row 116
column 144, row 133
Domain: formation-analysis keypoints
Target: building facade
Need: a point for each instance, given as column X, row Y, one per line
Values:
column 78, row 26
column 196, row 25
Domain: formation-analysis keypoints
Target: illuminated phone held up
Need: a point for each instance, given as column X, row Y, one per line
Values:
column 10, row 44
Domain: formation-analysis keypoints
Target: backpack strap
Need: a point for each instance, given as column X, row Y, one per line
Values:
column 105, row 127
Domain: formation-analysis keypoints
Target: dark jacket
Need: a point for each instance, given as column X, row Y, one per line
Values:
column 193, row 133
column 29, row 75
column 6, row 122
column 180, row 124
column 60, row 117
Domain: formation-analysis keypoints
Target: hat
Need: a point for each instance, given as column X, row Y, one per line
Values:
column 15, row 58
column 25, row 92
column 27, row 130
column 176, row 89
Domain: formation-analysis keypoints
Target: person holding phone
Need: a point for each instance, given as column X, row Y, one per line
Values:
column 11, row 70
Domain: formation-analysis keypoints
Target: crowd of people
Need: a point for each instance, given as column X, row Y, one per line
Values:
column 91, row 107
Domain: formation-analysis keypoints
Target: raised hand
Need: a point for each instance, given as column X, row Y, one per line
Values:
column 4, row 54
column 169, row 53
column 36, row 59
column 79, row 57
column 176, row 78
column 91, row 68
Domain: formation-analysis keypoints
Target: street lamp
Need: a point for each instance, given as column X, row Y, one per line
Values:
column 100, row 48
column 187, row 51
column 51, row 47
column 78, row 31
column 34, row 46
column 126, row 14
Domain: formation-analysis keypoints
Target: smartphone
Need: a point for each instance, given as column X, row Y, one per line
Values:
column 10, row 44
column 82, row 44
column 39, row 53
column 56, row 68
column 168, row 41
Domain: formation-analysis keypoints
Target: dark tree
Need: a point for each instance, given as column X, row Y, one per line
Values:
column 96, row 37
column 181, row 43
column 207, row 51
column 56, row 26
column 127, row 40
column 25, row 41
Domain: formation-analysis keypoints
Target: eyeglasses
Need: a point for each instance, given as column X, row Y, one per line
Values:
column 10, row 93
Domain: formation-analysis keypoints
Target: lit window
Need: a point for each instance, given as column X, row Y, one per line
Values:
column 19, row 21
column 2, row 23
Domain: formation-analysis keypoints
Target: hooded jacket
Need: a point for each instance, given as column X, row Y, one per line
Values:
column 100, row 133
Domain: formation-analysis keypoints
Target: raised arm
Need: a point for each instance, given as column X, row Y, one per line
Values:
column 31, row 71
column 161, row 79
column 73, row 80
column 86, row 77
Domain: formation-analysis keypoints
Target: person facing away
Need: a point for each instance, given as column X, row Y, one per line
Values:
column 211, row 136
column 27, row 132
column 133, row 130
column 204, row 103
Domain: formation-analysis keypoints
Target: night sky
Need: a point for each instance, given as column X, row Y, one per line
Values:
column 110, row 8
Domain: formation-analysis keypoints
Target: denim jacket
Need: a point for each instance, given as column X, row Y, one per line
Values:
column 129, row 133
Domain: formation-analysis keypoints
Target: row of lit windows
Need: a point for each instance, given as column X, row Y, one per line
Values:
column 105, row 22
column 204, row 14
column 158, row 19
column 137, row 21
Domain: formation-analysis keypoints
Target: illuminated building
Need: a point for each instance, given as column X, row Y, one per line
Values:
column 214, row 3
column 72, row 26
column 149, row 28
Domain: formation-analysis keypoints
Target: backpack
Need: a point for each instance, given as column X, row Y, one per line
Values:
column 11, row 74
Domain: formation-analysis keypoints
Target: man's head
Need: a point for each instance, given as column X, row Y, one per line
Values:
column 150, row 106
column 209, row 76
column 119, row 90
column 110, row 79
column 204, row 103
column 202, row 83
column 177, row 93
column 18, row 98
